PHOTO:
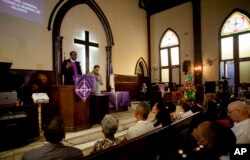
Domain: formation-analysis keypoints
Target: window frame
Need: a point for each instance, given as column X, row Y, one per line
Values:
column 170, row 66
column 236, row 59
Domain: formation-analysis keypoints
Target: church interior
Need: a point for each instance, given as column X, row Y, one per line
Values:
column 189, row 52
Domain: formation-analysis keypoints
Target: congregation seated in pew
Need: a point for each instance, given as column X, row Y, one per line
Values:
column 146, row 146
column 211, row 141
column 54, row 149
column 142, row 126
column 174, row 141
column 109, row 128
column 162, row 115
column 141, row 114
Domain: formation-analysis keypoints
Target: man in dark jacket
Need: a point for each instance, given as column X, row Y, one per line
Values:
column 70, row 68
column 54, row 149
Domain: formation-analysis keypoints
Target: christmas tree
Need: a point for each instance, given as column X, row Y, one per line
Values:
column 189, row 89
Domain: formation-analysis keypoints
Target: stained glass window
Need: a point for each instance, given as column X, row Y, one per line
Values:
column 169, row 39
column 236, row 23
column 235, row 50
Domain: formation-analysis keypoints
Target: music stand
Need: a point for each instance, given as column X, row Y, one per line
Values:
column 40, row 98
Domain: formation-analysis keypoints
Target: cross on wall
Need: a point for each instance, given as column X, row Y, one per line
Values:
column 87, row 44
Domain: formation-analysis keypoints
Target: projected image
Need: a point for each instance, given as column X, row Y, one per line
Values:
column 27, row 9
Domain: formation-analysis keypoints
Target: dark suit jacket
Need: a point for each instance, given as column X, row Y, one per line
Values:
column 52, row 151
column 69, row 73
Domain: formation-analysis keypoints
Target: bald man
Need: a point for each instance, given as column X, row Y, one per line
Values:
column 238, row 112
column 70, row 68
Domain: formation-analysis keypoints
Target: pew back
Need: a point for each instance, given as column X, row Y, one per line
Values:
column 150, row 145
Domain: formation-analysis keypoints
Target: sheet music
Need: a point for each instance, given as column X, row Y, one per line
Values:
column 40, row 98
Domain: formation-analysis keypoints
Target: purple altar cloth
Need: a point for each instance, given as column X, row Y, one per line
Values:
column 118, row 99
column 83, row 86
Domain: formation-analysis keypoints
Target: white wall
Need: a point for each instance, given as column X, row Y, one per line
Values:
column 129, row 27
column 180, row 19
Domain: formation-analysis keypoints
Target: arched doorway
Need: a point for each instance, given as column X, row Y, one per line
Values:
column 141, row 70
column 57, row 38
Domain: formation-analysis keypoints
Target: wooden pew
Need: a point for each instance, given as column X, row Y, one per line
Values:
column 148, row 146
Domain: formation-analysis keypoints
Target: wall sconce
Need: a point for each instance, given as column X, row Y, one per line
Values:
column 197, row 70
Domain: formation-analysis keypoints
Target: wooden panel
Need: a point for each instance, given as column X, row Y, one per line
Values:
column 81, row 113
column 73, row 110
column 67, row 107
column 99, row 108
column 127, row 83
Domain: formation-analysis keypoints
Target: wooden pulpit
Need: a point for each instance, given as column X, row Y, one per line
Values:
column 73, row 110
column 99, row 108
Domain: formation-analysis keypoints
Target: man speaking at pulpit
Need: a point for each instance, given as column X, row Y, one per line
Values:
column 70, row 68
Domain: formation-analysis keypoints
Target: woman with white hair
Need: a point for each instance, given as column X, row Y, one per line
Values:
column 109, row 128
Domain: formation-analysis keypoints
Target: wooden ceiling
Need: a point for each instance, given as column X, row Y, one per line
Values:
column 155, row 6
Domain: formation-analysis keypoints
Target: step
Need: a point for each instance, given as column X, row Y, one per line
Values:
column 83, row 140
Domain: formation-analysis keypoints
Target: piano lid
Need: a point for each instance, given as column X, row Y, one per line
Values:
column 5, row 67
column 8, row 81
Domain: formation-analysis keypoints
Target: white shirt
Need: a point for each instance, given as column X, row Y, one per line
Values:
column 97, row 82
column 140, row 128
column 242, row 131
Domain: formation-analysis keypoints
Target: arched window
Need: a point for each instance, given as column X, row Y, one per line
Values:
column 170, row 57
column 235, row 49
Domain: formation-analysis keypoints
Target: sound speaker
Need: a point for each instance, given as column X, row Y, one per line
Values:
column 210, row 87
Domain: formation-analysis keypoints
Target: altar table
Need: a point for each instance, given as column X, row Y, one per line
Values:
column 119, row 100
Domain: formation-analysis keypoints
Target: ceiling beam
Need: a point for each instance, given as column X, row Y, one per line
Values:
column 156, row 6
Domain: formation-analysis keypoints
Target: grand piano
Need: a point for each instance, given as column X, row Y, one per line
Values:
column 18, row 124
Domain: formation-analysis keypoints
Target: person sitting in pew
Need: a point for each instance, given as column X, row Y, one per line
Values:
column 54, row 149
column 109, row 128
column 170, row 105
column 162, row 115
column 212, row 140
column 142, row 126
column 209, row 108
column 238, row 111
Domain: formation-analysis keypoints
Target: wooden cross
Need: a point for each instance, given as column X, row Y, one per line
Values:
column 87, row 44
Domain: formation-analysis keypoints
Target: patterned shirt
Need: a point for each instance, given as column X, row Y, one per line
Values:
column 105, row 143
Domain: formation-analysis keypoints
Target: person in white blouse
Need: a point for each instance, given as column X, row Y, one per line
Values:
column 238, row 112
column 142, row 126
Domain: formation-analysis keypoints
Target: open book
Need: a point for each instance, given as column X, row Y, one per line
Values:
column 40, row 98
